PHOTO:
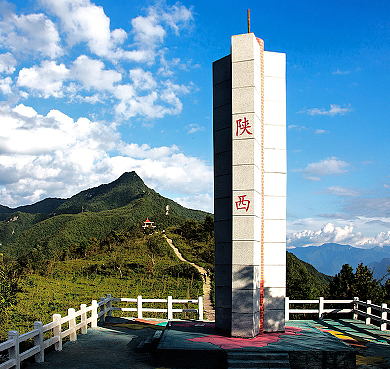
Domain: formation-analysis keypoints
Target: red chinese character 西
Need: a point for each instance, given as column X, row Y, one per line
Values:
column 242, row 126
column 242, row 203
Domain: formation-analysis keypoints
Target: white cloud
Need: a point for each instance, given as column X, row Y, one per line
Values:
column 340, row 72
column 83, row 21
column 192, row 128
column 360, row 232
column 5, row 85
column 46, row 80
column 177, row 16
column 329, row 166
column 320, row 131
column 200, row 202
column 26, row 132
column 7, row 63
column 334, row 110
column 145, row 151
column 368, row 206
column 56, row 156
column 163, row 100
column 340, row 191
column 149, row 31
column 31, row 33
column 298, row 128
column 329, row 233
column 92, row 74
column 142, row 80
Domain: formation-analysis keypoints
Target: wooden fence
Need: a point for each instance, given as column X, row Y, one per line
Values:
column 359, row 309
column 79, row 320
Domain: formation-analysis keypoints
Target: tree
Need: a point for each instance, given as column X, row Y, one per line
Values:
column 157, row 245
column 362, row 284
column 8, row 285
column 342, row 285
column 191, row 230
column 300, row 284
column 208, row 226
column 366, row 286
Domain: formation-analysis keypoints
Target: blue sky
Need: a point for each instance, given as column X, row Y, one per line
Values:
column 89, row 90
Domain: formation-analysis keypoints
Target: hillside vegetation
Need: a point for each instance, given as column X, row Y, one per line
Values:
column 120, row 206
column 124, row 264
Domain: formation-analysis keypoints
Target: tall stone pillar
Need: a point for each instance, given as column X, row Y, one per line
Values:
column 249, row 100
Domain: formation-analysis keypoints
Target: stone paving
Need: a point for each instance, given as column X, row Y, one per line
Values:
column 113, row 344
column 372, row 345
column 198, row 345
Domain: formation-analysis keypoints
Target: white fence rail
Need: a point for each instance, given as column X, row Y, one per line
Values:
column 79, row 320
column 370, row 311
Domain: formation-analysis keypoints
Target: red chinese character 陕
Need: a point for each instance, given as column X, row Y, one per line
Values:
column 242, row 126
column 242, row 203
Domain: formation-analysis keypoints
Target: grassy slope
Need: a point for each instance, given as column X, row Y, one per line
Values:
column 131, row 268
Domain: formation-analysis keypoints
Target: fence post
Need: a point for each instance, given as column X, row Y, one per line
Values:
column 83, row 317
column 368, row 311
column 57, row 332
column 139, row 307
column 94, row 314
column 38, row 341
column 72, row 324
column 13, row 352
column 109, row 305
column 200, row 307
column 103, row 317
column 287, row 309
column 355, row 307
column 383, row 317
column 170, row 312
column 321, row 308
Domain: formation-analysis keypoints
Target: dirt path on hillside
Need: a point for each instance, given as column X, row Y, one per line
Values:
column 208, row 308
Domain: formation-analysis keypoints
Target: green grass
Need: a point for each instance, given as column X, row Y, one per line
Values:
column 135, row 266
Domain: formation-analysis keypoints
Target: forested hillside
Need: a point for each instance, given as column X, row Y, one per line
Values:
column 119, row 206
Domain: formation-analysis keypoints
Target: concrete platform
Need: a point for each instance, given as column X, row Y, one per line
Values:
column 186, row 344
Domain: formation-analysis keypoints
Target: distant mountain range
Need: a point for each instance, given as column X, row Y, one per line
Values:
column 59, row 224
column 380, row 269
column 330, row 257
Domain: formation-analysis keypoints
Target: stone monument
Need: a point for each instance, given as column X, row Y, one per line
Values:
column 249, row 129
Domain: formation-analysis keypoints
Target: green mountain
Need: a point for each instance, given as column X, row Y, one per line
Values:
column 330, row 257
column 127, row 188
column 121, row 205
column 46, row 206
column 303, row 281
column 16, row 224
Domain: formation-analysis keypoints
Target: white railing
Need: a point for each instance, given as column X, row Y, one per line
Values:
column 370, row 312
column 79, row 320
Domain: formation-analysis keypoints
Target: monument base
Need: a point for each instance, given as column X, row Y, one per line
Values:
column 189, row 344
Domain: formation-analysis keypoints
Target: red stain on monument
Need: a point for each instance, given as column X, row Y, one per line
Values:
column 236, row 343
